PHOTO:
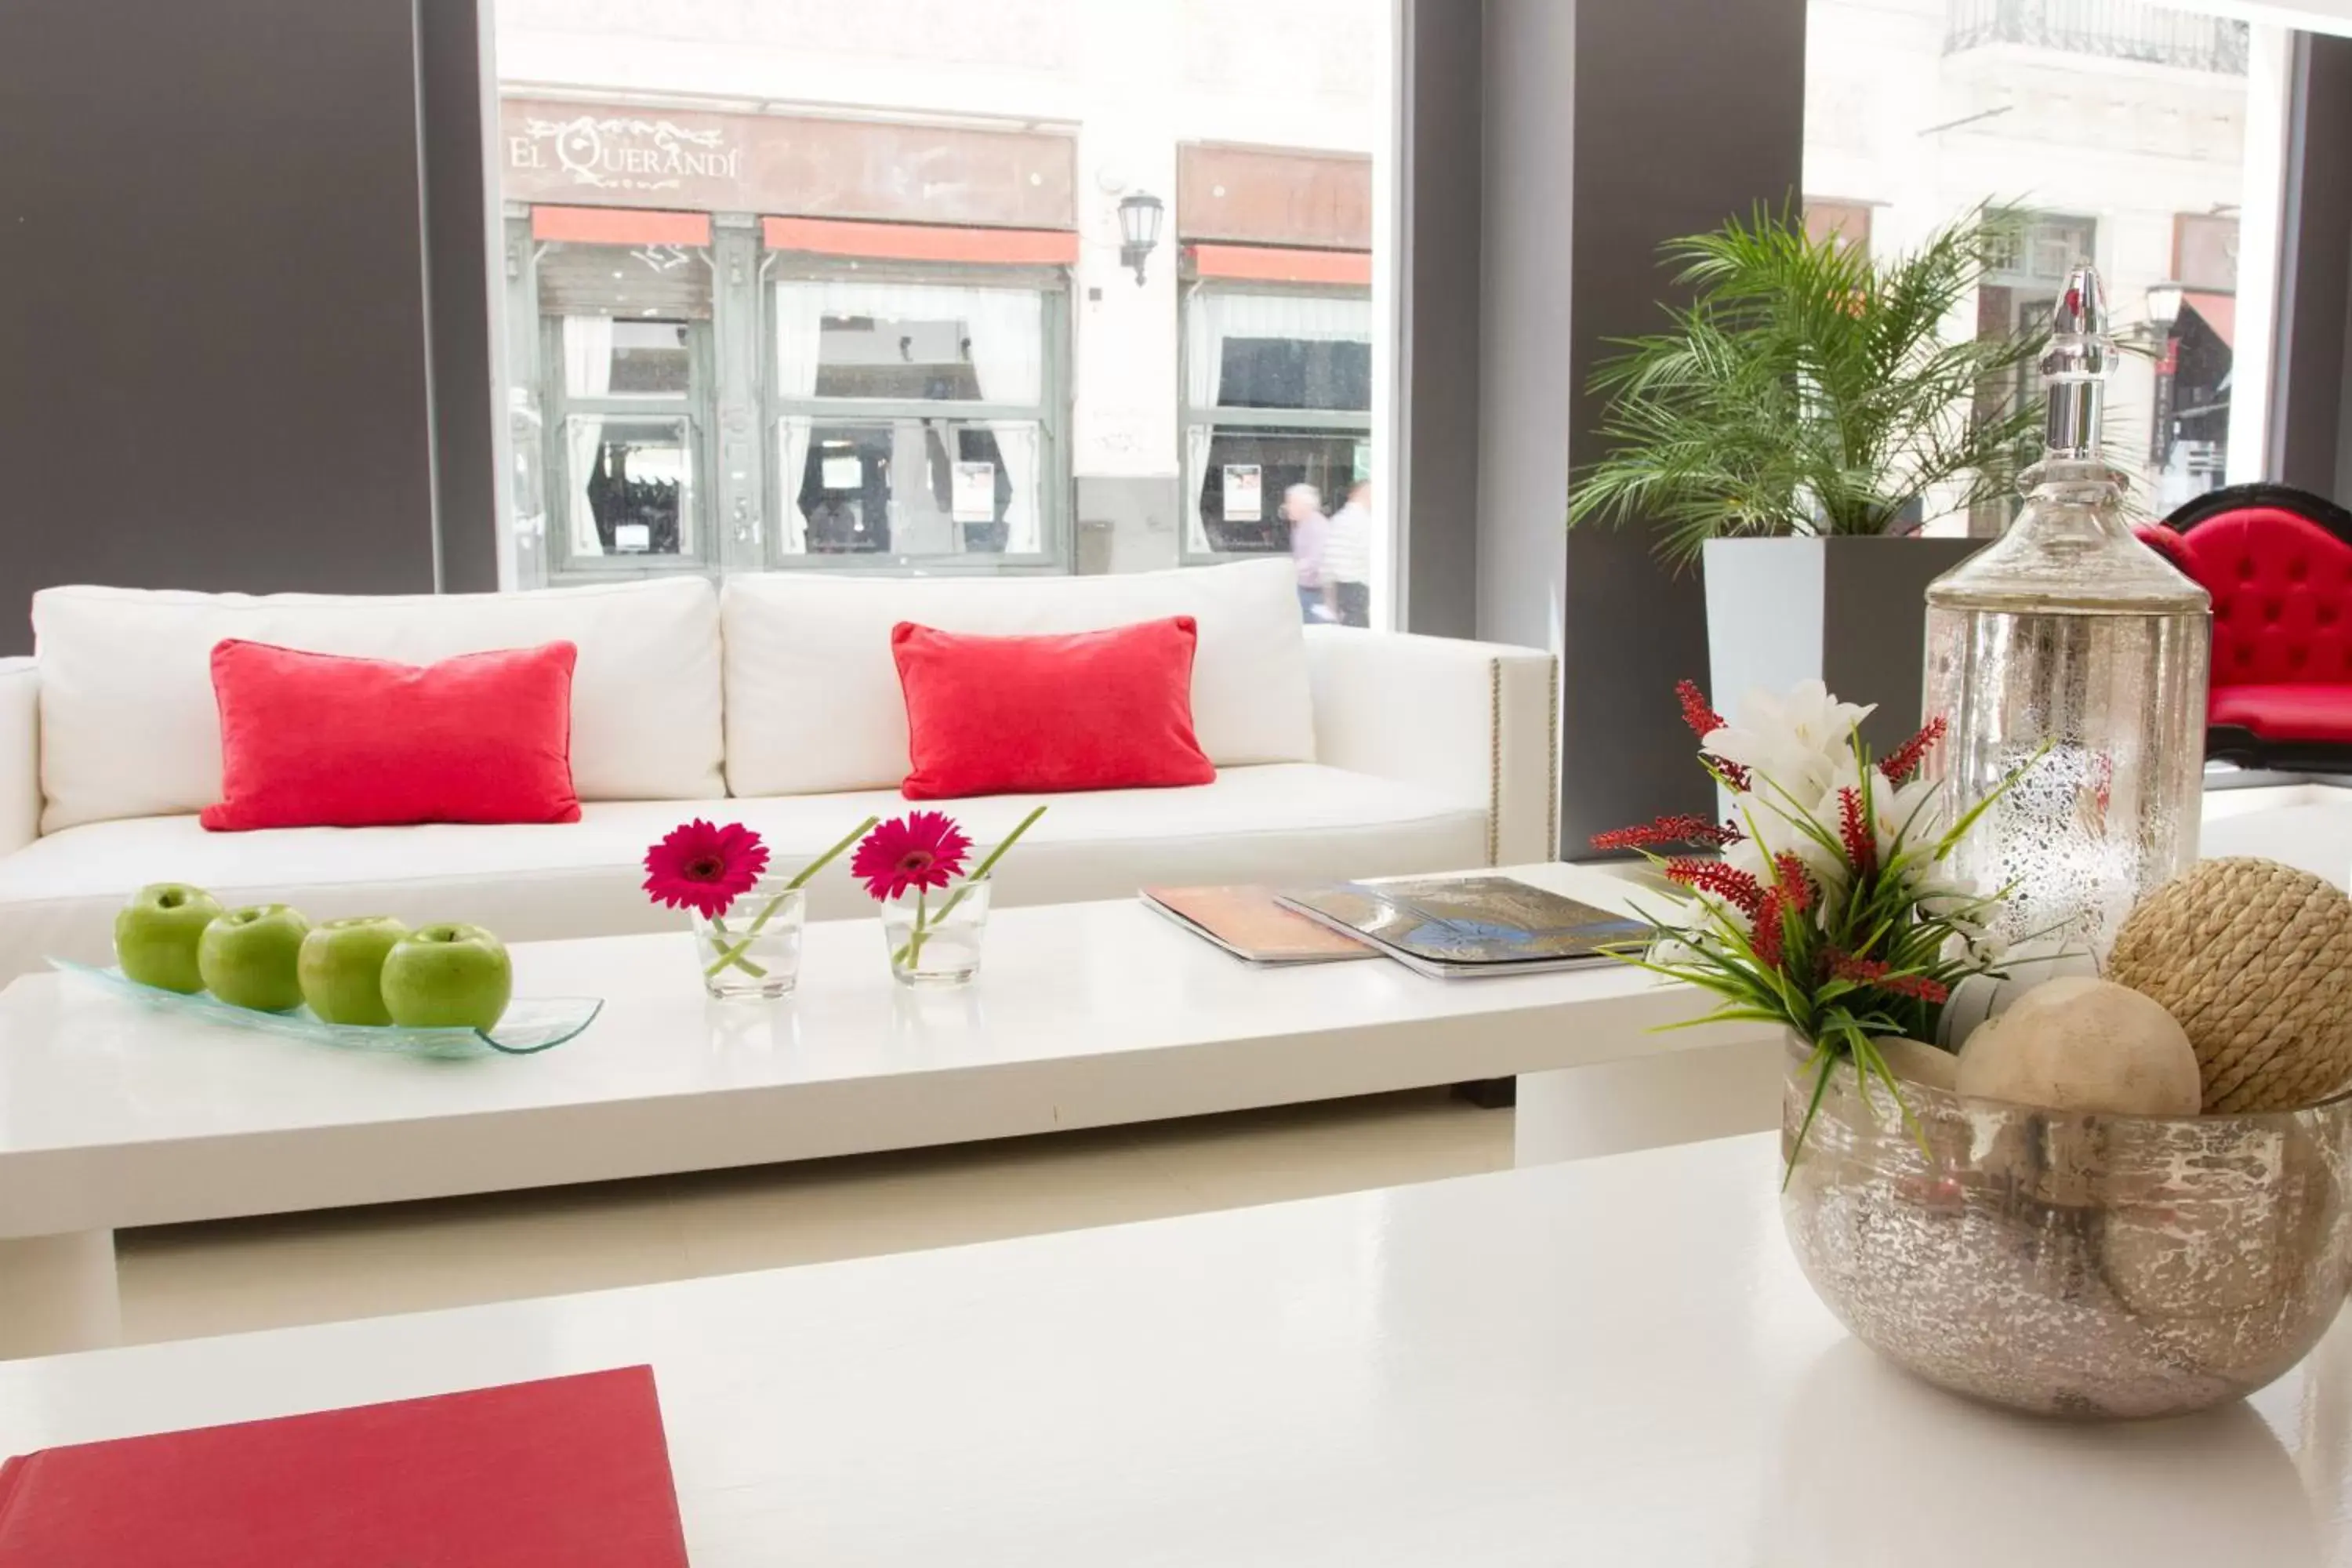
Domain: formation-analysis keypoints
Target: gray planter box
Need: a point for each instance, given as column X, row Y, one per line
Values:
column 1846, row 610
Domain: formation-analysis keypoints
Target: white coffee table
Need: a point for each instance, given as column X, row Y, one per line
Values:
column 1611, row 1362
column 1084, row 1015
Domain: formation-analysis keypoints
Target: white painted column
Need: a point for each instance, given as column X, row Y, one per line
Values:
column 58, row 1293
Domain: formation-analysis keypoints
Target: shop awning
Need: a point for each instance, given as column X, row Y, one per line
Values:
column 2219, row 311
column 922, row 242
column 619, row 225
column 1282, row 264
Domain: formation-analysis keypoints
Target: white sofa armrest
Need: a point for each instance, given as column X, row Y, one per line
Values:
column 20, row 753
column 1477, row 721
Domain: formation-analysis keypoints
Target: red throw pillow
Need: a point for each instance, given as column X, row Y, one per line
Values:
column 315, row 739
column 1109, row 709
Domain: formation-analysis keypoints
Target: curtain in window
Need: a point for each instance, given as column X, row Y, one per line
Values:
column 1004, row 336
column 797, row 358
column 1018, row 455
column 1003, row 329
column 587, row 373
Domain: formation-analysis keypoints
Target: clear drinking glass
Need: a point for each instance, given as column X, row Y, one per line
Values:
column 934, row 935
column 2072, row 651
column 754, row 950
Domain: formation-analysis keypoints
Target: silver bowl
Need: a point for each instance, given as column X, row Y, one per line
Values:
column 2082, row 1265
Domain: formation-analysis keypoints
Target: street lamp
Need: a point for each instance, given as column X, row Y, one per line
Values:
column 1138, row 230
column 2163, row 314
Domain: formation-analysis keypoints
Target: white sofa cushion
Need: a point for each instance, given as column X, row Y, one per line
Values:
column 1281, row 822
column 129, row 726
column 813, row 696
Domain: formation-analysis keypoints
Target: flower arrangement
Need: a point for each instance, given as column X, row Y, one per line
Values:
column 703, row 866
column 1829, row 907
column 923, row 853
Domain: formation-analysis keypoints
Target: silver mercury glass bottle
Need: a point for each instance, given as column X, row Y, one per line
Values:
column 2070, row 641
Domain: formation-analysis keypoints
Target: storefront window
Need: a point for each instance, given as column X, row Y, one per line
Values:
column 912, row 420
column 834, row 285
column 1278, row 395
column 625, row 350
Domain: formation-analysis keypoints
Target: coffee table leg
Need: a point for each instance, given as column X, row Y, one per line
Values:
column 58, row 1293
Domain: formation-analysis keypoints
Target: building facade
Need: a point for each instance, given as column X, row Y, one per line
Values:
column 1008, row 285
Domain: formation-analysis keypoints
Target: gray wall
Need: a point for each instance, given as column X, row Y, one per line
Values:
column 2309, row 405
column 1437, row 456
column 212, row 277
column 1524, row 317
column 1609, row 127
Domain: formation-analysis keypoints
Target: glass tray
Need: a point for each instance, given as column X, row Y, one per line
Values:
column 532, row 1024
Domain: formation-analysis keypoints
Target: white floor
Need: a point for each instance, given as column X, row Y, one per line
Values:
column 185, row 1281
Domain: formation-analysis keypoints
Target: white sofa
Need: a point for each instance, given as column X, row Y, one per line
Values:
column 774, row 702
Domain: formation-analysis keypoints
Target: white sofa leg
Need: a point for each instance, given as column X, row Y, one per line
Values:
column 58, row 1293
column 1675, row 1097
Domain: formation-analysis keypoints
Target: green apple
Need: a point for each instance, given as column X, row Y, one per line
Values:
column 252, row 957
column 155, row 935
column 341, row 968
column 448, row 977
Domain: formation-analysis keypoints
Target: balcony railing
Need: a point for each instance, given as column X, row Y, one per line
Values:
column 2118, row 29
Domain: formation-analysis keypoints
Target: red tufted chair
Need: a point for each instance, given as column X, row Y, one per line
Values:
column 2278, row 562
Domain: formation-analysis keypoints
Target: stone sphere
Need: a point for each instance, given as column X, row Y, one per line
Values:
column 2083, row 1044
column 2254, row 959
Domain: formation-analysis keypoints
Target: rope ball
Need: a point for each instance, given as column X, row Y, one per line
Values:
column 2255, row 960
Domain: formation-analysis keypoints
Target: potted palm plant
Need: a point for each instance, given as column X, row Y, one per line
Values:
column 1792, row 429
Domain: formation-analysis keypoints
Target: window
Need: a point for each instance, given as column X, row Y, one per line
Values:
column 1848, row 223
column 625, row 337
column 2134, row 133
column 1277, row 395
column 917, row 421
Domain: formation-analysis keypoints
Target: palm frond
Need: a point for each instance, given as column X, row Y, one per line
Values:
column 1806, row 388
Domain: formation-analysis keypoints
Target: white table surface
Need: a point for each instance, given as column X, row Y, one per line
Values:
column 113, row 1114
column 1611, row 1362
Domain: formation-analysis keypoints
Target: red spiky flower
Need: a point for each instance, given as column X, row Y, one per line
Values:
column 1904, row 760
column 1792, row 893
column 1870, row 972
column 1735, row 887
column 1796, row 884
column 1703, row 720
column 1860, row 843
column 1769, row 941
column 1681, row 828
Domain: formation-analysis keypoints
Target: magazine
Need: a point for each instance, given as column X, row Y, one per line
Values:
column 1248, row 922
column 1453, row 927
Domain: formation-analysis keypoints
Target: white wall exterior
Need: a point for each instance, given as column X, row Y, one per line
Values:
column 1131, row 78
column 1922, row 134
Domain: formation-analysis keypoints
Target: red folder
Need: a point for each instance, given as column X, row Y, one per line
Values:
column 571, row 1472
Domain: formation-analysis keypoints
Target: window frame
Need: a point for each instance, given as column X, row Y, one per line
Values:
column 1051, row 415
column 1333, row 421
column 697, row 409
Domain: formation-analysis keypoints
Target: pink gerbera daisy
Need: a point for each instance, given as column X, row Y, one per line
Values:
column 921, row 849
column 705, row 868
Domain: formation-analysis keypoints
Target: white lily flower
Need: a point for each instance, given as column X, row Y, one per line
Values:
column 1796, row 739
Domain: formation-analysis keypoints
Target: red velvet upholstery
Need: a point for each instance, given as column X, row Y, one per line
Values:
column 2279, row 567
column 2286, row 712
column 2282, row 589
